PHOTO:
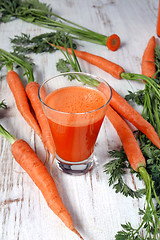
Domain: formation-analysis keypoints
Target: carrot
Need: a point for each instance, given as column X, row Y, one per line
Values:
column 21, row 100
column 112, row 68
column 29, row 161
column 158, row 21
column 32, row 93
column 129, row 142
column 129, row 113
column 148, row 59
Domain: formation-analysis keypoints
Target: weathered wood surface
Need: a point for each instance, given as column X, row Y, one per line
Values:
column 97, row 211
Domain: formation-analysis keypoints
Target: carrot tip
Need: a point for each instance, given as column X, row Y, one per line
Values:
column 113, row 42
column 77, row 233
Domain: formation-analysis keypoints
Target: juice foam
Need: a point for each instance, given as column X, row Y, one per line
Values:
column 75, row 99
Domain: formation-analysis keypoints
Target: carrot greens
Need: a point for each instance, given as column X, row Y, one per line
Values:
column 9, row 59
column 38, row 44
column 116, row 169
column 7, row 135
column 42, row 15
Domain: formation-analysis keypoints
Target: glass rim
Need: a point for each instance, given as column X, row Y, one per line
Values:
column 78, row 73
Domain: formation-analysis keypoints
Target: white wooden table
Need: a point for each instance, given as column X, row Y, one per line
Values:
column 96, row 209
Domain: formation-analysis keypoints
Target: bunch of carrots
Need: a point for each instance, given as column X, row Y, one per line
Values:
column 20, row 149
column 120, row 107
column 28, row 159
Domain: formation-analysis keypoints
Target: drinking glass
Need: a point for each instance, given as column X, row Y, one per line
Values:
column 74, row 131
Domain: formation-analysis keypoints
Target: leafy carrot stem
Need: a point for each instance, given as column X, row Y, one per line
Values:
column 7, row 135
column 8, row 59
column 155, row 194
column 76, row 66
column 149, row 187
column 140, row 77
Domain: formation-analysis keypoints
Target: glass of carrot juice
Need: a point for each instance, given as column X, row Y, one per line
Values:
column 75, row 107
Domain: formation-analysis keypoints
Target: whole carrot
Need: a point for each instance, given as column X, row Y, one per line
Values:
column 112, row 68
column 21, row 100
column 32, row 93
column 134, row 117
column 158, row 21
column 148, row 59
column 35, row 168
column 129, row 142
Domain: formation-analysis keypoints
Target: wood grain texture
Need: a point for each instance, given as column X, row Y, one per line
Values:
column 97, row 211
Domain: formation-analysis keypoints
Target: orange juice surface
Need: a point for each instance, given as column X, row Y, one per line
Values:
column 74, row 123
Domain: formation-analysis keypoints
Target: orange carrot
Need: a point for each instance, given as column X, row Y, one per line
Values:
column 21, row 100
column 134, row 117
column 112, row 68
column 129, row 142
column 35, row 168
column 148, row 59
column 32, row 93
column 158, row 20
column 113, row 42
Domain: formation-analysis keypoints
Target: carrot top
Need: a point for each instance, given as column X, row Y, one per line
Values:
column 140, row 77
column 151, row 97
column 4, row 133
column 9, row 59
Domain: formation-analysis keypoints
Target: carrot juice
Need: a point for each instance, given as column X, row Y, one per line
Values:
column 76, row 120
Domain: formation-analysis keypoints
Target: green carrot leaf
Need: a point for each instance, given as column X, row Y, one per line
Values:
column 4, row 133
column 9, row 59
column 116, row 169
column 39, row 44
